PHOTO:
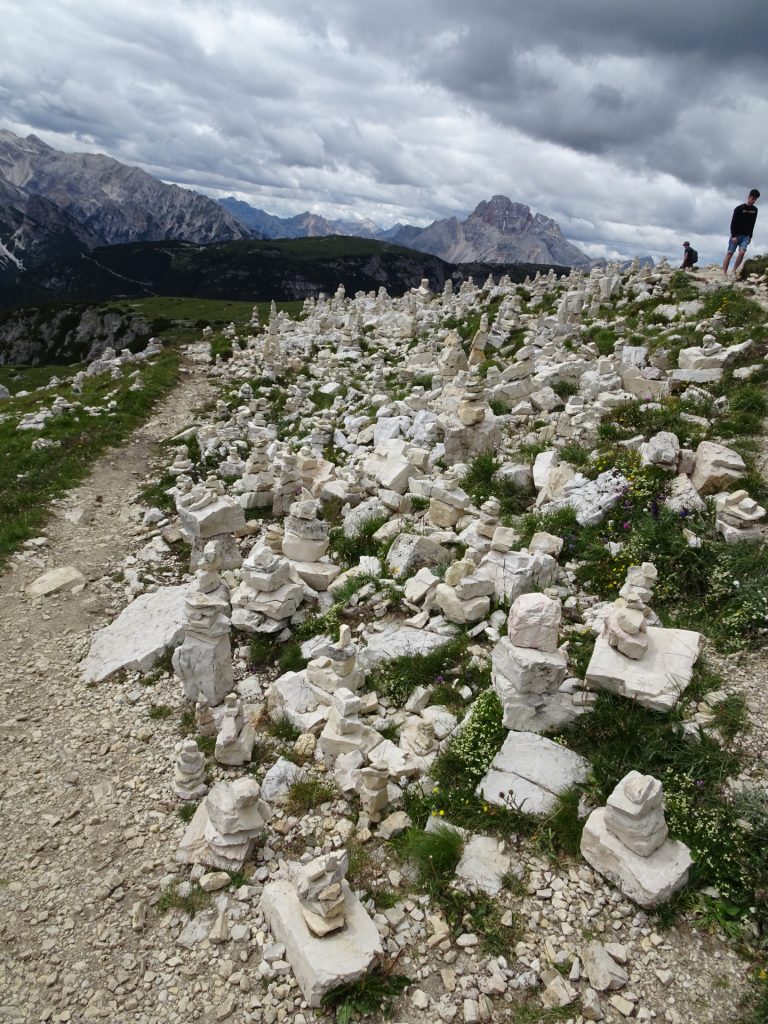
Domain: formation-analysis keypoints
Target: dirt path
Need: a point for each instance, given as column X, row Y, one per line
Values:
column 76, row 845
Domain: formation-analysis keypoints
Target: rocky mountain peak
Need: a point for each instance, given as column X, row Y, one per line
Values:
column 502, row 214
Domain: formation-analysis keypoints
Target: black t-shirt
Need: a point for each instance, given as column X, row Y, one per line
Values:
column 743, row 220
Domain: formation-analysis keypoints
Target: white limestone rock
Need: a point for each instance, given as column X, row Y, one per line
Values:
column 602, row 970
column 530, row 772
column 139, row 635
column 525, row 669
column 320, row 964
column 716, row 468
column 410, row 552
column 67, row 577
column 658, row 679
column 222, row 515
column 648, row 881
column 483, row 865
column 534, row 621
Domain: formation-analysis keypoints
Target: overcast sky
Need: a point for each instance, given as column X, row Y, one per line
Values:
column 634, row 123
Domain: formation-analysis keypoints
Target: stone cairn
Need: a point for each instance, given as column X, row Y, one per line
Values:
column 473, row 406
column 205, row 722
column 255, row 485
column 452, row 359
column 372, row 790
column 203, row 662
column 207, row 515
column 267, row 591
column 737, row 517
column 479, row 342
column 338, row 668
column 626, row 625
column 233, row 466
column 181, row 462
column 287, row 484
column 462, row 596
column 236, row 735
column 306, row 536
column 628, row 842
column 321, row 896
column 189, row 771
column 528, row 669
column 225, row 827
column 447, row 502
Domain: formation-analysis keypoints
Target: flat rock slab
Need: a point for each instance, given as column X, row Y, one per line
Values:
column 530, row 772
column 396, row 640
column 67, row 577
column 321, row 964
column 649, row 881
column 658, row 678
column 483, row 865
column 138, row 636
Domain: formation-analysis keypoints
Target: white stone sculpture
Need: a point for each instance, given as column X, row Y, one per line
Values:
column 628, row 842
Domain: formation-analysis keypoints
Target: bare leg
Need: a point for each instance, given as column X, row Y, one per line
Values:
column 739, row 258
column 726, row 261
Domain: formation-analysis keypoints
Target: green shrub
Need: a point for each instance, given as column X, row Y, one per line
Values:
column 349, row 550
column 434, row 853
column 481, row 484
column 307, row 793
column 371, row 994
column 398, row 677
column 481, row 738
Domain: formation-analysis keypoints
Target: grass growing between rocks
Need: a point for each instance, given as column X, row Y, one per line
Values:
column 398, row 677
column 434, row 854
column 350, row 549
column 480, row 483
column 308, row 793
column 32, row 478
column 726, row 834
column 373, row 993
column 717, row 588
column 185, row 896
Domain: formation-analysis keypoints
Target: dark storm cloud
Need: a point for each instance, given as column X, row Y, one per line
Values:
column 632, row 123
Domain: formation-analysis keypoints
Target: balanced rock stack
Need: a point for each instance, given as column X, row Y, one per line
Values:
column 639, row 660
column 463, row 596
column 320, row 893
column 628, row 842
column 268, row 591
column 225, row 827
column 203, row 662
column 236, row 735
column 528, row 669
column 206, row 514
column 737, row 517
column 306, row 537
column 189, row 771
column 626, row 623
column 338, row 667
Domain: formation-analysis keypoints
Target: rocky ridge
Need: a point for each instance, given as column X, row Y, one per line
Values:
column 90, row 784
column 52, row 201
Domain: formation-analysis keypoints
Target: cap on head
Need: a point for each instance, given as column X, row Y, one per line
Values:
column 754, row 192
column 686, row 243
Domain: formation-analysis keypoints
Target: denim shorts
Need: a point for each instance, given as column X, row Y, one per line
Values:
column 742, row 242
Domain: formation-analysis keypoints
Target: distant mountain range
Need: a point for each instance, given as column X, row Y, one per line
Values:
column 58, row 206
column 498, row 231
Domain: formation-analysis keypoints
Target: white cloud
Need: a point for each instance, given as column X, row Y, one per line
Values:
column 633, row 125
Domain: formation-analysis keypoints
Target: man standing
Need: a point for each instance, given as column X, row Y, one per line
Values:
column 742, row 227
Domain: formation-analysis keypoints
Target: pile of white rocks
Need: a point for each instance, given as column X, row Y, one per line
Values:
column 260, row 521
